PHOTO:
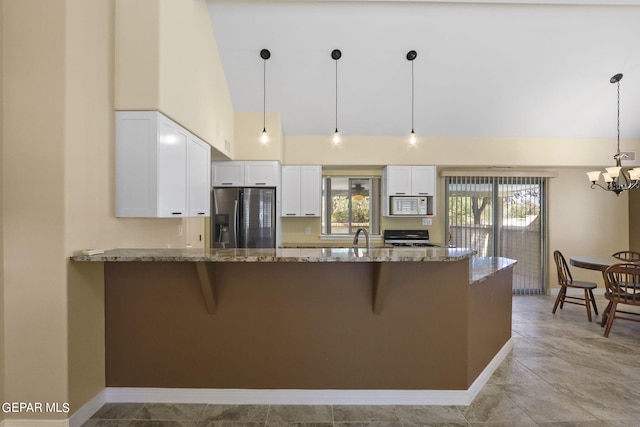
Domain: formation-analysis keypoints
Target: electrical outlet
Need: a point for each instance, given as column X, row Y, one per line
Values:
column 307, row 231
column 427, row 221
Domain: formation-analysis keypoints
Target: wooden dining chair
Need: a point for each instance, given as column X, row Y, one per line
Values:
column 565, row 280
column 627, row 256
column 622, row 286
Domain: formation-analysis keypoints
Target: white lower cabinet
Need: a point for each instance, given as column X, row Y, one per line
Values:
column 162, row 170
column 301, row 191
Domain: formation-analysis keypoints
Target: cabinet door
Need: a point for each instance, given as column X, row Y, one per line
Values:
column 172, row 170
column 261, row 174
column 227, row 174
column 399, row 180
column 199, row 160
column 290, row 200
column 423, row 180
column 136, row 163
column 310, row 190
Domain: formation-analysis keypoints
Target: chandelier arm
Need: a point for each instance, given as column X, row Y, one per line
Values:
column 594, row 184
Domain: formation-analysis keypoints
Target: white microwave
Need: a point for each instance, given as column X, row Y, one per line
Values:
column 408, row 205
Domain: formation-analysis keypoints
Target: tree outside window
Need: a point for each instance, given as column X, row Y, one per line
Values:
column 350, row 203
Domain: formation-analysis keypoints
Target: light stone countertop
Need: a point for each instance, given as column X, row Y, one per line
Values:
column 480, row 268
column 281, row 255
column 484, row 267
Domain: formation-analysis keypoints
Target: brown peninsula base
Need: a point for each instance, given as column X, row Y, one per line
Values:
column 303, row 326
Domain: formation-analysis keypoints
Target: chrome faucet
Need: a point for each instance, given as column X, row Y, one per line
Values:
column 366, row 235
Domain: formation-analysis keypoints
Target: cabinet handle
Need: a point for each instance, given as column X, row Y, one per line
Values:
column 176, row 213
column 227, row 183
column 200, row 213
column 290, row 214
column 426, row 194
column 261, row 183
column 310, row 214
column 399, row 193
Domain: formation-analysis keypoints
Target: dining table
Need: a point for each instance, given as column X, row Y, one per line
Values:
column 594, row 262
column 599, row 263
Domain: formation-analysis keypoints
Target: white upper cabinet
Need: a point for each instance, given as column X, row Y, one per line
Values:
column 262, row 174
column 172, row 169
column 311, row 190
column 423, row 180
column 154, row 160
column 301, row 191
column 245, row 173
column 398, row 180
column 410, row 180
column 199, row 157
column 227, row 174
column 290, row 191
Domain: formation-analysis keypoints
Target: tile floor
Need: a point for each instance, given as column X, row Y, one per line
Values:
column 562, row 372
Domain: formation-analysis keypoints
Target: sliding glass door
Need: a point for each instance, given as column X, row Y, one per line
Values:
column 501, row 216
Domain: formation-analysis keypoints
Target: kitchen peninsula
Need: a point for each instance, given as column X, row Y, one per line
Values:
column 304, row 318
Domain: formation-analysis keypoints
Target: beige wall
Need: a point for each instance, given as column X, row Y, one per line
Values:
column 58, row 184
column 33, row 195
column 584, row 221
column 634, row 224
column 137, row 72
column 248, row 128
column 441, row 151
column 167, row 60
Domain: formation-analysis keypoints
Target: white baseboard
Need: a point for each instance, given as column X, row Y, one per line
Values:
column 34, row 423
column 272, row 397
column 76, row 420
column 88, row 409
column 309, row 397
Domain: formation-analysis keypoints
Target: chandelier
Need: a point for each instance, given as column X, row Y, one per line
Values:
column 616, row 178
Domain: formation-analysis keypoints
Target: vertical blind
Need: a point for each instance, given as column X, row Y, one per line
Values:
column 501, row 216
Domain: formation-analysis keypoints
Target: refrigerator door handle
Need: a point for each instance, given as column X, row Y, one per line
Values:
column 235, row 223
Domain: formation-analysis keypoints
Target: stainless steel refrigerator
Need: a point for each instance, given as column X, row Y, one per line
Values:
column 243, row 218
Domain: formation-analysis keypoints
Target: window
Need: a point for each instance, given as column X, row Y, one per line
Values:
column 501, row 216
column 349, row 203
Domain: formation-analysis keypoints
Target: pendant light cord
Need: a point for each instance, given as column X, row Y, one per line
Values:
column 618, row 117
column 264, row 95
column 412, row 96
column 336, row 95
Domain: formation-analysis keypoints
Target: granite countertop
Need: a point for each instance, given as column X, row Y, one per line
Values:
column 342, row 244
column 480, row 268
column 484, row 267
column 280, row 255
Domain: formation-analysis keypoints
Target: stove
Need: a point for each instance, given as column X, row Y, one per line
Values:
column 410, row 238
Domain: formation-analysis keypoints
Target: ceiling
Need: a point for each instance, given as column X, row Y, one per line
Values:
column 486, row 69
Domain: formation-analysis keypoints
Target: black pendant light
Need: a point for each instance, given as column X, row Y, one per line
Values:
column 411, row 55
column 335, row 55
column 264, row 137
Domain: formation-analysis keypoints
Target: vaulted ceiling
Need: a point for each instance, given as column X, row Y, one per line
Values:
column 496, row 69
